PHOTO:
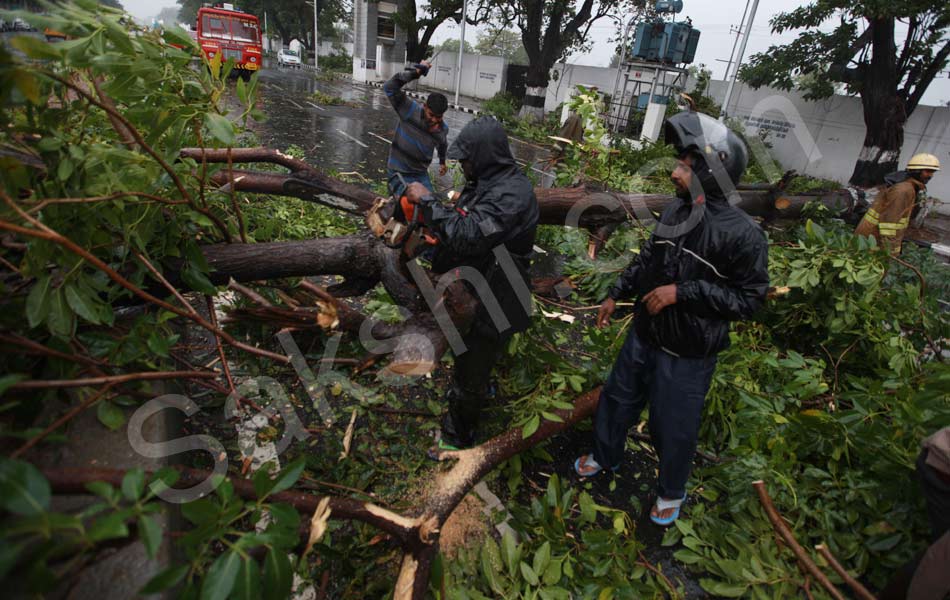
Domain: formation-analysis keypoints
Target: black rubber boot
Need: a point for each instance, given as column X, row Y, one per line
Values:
column 461, row 418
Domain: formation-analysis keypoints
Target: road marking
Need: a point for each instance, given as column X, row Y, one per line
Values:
column 315, row 106
column 345, row 134
column 379, row 137
column 294, row 103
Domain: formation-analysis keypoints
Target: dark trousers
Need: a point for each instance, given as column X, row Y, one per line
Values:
column 675, row 388
column 471, row 385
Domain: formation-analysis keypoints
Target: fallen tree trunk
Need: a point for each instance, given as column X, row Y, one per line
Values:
column 583, row 206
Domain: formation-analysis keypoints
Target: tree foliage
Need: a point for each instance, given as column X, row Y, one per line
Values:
column 552, row 30
column 505, row 43
column 421, row 25
column 826, row 395
column 452, row 45
column 864, row 51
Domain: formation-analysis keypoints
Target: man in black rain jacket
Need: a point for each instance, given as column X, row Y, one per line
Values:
column 705, row 265
column 487, row 238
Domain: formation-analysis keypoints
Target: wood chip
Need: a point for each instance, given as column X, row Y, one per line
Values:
column 318, row 523
column 348, row 436
column 559, row 315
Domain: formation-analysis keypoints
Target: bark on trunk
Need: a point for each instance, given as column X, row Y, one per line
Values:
column 532, row 107
column 881, row 149
column 884, row 109
column 356, row 254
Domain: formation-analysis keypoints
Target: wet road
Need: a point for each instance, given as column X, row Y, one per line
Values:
column 351, row 137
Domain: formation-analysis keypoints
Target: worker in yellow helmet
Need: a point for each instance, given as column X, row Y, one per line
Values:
column 889, row 216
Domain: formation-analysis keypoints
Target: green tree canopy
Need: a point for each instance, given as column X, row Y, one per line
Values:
column 421, row 23
column 889, row 71
column 452, row 45
column 502, row 42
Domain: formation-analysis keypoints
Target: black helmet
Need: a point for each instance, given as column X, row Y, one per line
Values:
column 724, row 155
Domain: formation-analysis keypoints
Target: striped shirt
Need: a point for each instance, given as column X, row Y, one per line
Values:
column 413, row 144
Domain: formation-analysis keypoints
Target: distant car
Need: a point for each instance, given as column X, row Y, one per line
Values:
column 288, row 58
column 21, row 25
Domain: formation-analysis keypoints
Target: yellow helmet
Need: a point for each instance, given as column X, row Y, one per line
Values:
column 923, row 162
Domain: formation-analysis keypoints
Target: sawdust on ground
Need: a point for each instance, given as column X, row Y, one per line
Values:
column 467, row 526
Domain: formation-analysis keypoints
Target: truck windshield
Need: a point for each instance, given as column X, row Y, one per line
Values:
column 227, row 28
column 213, row 26
column 244, row 31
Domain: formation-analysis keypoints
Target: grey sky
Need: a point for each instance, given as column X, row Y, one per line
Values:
column 712, row 18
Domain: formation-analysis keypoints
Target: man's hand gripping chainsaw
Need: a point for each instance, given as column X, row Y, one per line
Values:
column 399, row 224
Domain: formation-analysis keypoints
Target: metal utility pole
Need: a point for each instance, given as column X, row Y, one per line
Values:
column 458, row 66
column 735, row 73
column 316, row 38
column 735, row 43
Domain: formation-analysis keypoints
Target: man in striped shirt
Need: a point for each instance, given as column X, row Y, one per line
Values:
column 419, row 132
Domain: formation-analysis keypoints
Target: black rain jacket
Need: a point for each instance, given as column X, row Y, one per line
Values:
column 497, row 213
column 719, row 266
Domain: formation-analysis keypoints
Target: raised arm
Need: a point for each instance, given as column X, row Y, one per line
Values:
column 397, row 97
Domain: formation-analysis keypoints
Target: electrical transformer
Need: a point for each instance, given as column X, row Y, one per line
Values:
column 673, row 43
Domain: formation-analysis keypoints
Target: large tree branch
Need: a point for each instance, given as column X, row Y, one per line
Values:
column 418, row 534
column 581, row 206
column 73, row 481
column 926, row 77
column 45, row 233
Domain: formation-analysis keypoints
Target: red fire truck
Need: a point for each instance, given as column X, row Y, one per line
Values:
column 223, row 29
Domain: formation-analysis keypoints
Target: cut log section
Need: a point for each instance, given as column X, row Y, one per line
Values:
column 583, row 206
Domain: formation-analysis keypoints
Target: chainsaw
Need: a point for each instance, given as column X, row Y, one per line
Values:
column 398, row 223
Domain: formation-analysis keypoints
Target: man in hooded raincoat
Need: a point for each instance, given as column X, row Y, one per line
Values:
column 486, row 237
column 705, row 265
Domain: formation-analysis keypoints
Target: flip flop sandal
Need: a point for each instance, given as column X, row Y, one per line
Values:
column 662, row 505
column 590, row 462
column 436, row 450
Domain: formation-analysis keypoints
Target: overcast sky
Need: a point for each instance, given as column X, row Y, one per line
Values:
column 713, row 19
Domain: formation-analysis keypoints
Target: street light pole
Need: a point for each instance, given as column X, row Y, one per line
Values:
column 316, row 39
column 458, row 66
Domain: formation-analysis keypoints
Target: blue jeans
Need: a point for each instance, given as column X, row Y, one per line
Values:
column 396, row 186
column 675, row 388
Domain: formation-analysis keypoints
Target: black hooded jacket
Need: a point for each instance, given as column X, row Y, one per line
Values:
column 494, row 219
column 719, row 266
